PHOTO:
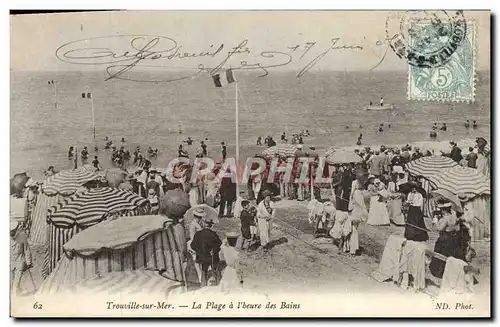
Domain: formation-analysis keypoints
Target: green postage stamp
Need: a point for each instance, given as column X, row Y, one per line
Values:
column 450, row 75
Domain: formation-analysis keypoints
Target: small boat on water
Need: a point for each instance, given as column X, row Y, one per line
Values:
column 379, row 107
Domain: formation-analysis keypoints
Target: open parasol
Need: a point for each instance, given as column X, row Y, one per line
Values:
column 440, row 194
column 407, row 187
column 174, row 203
column 343, row 157
column 18, row 182
column 461, row 180
column 209, row 211
column 68, row 182
column 428, row 166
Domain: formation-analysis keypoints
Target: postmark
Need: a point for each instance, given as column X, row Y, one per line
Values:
column 439, row 49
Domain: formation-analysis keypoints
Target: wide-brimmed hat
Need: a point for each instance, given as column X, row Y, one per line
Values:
column 444, row 205
column 312, row 147
column 463, row 197
column 199, row 213
column 300, row 146
column 13, row 225
column 376, row 181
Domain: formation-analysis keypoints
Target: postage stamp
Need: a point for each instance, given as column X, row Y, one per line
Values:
column 452, row 81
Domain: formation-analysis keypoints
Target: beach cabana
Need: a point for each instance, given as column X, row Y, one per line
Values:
column 53, row 189
column 474, row 184
column 125, row 244
column 85, row 209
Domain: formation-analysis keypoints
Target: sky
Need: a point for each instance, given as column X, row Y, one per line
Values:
column 35, row 38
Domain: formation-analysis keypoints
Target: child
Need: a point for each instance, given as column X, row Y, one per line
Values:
column 153, row 200
column 248, row 223
column 21, row 259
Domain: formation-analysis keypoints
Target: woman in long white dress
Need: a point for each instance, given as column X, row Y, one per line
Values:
column 378, row 215
column 395, row 203
column 265, row 212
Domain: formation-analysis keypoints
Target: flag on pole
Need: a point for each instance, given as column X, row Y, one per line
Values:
column 220, row 82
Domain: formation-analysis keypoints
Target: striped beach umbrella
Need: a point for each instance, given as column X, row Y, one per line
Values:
column 285, row 150
column 428, row 166
column 461, row 180
column 90, row 207
column 343, row 157
column 68, row 182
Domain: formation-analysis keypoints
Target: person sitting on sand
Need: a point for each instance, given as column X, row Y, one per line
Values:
column 444, row 127
column 182, row 153
column 435, row 127
column 259, row 140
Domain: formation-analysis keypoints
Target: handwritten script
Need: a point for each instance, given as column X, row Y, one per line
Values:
column 152, row 51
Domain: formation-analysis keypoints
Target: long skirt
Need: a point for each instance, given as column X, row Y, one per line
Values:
column 378, row 214
column 448, row 244
column 415, row 218
column 395, row 213
column 264, row 231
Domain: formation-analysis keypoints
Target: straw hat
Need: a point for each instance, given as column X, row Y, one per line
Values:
column 199, row 212
column 462, row 197
column 445, row 205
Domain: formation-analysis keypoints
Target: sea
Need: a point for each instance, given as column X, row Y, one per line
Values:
column 44, row 123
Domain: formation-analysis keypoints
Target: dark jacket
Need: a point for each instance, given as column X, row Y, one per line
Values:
column 456, row 154
column 206, row 243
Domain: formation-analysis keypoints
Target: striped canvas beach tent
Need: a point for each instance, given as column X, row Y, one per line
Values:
column 461, row 180
column 130, row 243
column 129, row 283
column 53, row 189
column 285, row 150
column 428, row 166
column 85, row 209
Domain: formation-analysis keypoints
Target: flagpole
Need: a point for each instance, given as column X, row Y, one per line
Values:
column 237, row 138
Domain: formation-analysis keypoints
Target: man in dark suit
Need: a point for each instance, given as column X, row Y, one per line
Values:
column 206, row 243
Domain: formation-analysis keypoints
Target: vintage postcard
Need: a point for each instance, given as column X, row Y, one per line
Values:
column 250, row 164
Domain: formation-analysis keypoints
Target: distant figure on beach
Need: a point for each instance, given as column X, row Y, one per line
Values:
column 474, row 124
column 301, row 141
column 189, row 140
column 271, row 142
column 346, row 127
column 106, row 139
column 123, row 140
column 96, row 163
column 389, row 126
column 360, row 126
column 359, row 141
column 467, row 124
column 371, row 103
column 259, row 140
column 444, row 127
column 283, row 138
column 71, row 153
column 381, row 128
column 85, row 153
column 96, row 148
column 50, row 171
column 433, row 134
column 204, row 148
column 224, row 150
column 435, row 127
column 266, row 140
column 381, row 101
